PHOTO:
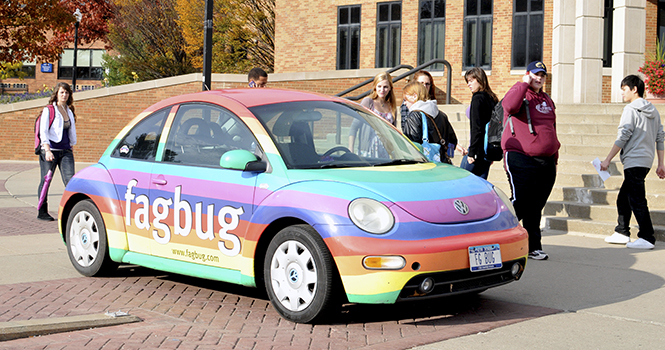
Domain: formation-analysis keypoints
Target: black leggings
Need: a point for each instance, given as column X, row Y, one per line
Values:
column 531, row 180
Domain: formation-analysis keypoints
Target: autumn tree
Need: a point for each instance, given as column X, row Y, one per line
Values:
column 39, row 30
column 229, row 43
column 259, row 16
column 148, row 38
column 243, row 32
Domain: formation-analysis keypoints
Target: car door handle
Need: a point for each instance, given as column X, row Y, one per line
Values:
column 159, row 181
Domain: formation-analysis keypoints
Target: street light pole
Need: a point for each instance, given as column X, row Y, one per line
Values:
column 78, row 17
column 207, row 46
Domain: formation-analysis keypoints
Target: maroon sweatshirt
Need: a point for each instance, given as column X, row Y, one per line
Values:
column 543, row 119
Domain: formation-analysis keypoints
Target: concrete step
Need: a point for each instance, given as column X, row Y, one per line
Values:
column 586, row 129
column 594, row 227
column 653, row 184
column 590, row 118
column 587, row 139
column 600, row 196
column 594, row 212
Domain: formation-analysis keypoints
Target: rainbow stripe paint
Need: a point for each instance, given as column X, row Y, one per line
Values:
column 216, row 223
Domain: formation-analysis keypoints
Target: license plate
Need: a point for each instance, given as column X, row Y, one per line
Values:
column 485, row 257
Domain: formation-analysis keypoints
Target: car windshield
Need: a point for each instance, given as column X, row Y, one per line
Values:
column 326, row 134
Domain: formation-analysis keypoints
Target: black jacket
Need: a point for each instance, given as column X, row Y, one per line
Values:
column 412, row 127
column 480, row 112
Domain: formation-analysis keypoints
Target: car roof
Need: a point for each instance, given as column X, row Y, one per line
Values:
column 248, row 97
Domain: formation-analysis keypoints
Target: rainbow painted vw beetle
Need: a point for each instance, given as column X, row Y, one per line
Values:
column 312, row 197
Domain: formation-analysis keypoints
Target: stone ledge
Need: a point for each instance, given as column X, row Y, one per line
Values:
column 36, row 327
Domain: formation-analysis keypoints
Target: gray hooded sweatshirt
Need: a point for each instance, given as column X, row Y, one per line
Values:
column 640, row 134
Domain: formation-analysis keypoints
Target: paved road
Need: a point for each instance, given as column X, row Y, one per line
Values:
column 588, row 295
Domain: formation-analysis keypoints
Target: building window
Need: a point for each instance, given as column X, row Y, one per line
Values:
column 388, row 34
column 431, row 31
column 528, row 21
column 88, row 63
column 607, row 33
column 348, row 37
column 478, row 33
column 28, row 68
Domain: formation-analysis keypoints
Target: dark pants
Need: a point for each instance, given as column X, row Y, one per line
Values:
column 480, row 167
column 632, row 200
column 531, row 180
column 63, row 159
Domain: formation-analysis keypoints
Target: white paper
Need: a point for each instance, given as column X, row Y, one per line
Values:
column 604, row 174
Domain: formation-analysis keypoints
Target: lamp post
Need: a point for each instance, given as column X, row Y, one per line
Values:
column 207, row 46
column 78, row 17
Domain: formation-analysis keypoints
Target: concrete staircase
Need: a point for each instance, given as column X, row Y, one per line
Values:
column 580, row 201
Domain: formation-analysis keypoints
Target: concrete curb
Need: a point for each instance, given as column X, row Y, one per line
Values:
column 36, row 327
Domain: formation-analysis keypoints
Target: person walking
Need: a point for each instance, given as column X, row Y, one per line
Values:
column 531, row 150
column 479, row 114
column 57, row 140
column 640, row 137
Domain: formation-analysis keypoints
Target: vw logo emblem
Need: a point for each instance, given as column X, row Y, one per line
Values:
column 293, row 276
column 461, row 207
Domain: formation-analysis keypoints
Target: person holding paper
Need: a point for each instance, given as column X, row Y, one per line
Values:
column 640, row 137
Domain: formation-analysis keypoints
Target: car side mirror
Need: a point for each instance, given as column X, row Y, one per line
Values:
column 241, row 159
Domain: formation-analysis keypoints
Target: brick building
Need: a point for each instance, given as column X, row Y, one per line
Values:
column 89, row 73
column 588, row 45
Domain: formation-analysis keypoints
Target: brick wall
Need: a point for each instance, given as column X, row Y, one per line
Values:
column 305, row 40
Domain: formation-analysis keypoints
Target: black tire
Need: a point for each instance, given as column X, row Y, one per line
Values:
column 299, row 274
column 87, row 244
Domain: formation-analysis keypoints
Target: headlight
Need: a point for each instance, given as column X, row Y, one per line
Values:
column 371, row 215
column 505, row 200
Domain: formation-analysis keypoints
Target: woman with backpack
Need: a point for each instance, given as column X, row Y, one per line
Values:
column 531, row 150
column 57, row 134
column 479, row 114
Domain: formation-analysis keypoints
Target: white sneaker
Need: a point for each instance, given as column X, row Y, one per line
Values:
column 640, row 243
column 617, row 238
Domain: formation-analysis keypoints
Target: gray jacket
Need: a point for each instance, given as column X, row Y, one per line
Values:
column 640, row 134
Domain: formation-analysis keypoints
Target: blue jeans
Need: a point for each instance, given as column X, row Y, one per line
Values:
column 632, row 200
column 480, row 167
column 64, row 159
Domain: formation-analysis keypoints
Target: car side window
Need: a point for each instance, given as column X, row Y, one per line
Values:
column 202, row 133
column 142, row 140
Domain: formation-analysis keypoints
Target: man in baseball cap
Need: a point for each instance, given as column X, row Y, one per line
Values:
column 536, row 66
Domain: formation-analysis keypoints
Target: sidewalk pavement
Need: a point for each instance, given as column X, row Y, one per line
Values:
column 608, row 296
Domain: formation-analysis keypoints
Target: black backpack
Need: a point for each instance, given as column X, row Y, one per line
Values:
column 494, row 130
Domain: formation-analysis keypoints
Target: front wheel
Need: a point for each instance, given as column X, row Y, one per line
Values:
column 87, row 244
column 298, row 270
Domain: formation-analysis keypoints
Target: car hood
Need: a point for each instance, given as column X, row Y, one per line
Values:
column 432, row 193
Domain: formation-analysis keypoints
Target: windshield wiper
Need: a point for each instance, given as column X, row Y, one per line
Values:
column 399, row 162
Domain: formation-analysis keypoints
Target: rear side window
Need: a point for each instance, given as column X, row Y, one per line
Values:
column 202, row 133
column 141, row 142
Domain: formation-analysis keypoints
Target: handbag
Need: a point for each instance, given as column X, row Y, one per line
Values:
column 432, row 151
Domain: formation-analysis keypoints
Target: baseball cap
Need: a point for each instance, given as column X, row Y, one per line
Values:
column 536, row 66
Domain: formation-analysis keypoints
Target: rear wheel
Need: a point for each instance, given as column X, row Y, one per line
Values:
column 298, row 272
column 87, row 244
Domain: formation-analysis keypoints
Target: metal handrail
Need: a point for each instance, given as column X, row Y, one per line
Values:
column 401, row 66
column 398, row 78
